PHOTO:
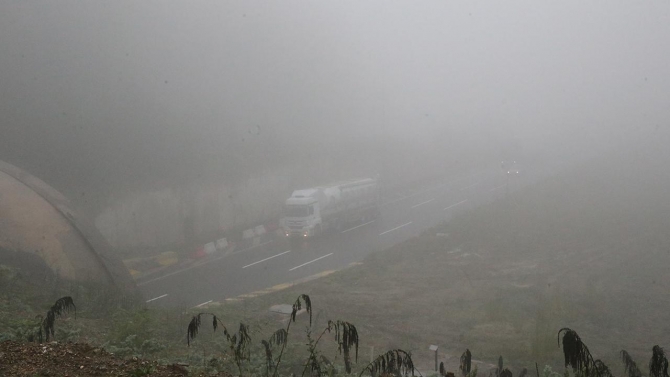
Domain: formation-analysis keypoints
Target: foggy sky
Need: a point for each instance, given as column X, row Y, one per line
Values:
column 114, row 83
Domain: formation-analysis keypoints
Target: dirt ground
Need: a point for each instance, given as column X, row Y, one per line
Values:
column 75, row 359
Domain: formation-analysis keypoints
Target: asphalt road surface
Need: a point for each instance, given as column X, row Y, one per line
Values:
column 278, row 263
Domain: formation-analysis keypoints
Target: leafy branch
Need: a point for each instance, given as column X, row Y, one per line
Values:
column 346, row 337
column 576, row 353
column 501, row 371
column 297, row 305
column 278, row 338
column 602, row 369
column 62, row 306
column 194, row 326
column 630, row 368
column 466, row 362
column 391, row 362
column 238, row 343
column 658, row 365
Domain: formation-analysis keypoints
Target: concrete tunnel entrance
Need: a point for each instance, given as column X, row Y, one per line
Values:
column 39, row 229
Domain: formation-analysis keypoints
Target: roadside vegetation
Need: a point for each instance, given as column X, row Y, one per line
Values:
column 586, row 251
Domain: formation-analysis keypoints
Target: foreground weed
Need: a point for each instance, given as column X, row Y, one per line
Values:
column 466, row 362
column 576, row 353
column 239, row 344
column 392, row 362
column 346, row 337
column 142, row 371
column 62, row 306
column 278, row 338
column 501, row 371
column 630, row 368
column 602, row 369
column 297, row 305
column 658, row 365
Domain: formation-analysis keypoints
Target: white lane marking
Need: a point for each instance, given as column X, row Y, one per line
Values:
column 268, row 258
column 199, row 265
column 420, row 204
column 396, row 228
column 203, row 304
column 497, row 187
column 312, row 261
column 472, row 185
column 156, row 298
column 454, row 205
column 358, row 226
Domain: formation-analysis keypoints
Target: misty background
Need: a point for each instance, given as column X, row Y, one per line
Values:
column 155, row 117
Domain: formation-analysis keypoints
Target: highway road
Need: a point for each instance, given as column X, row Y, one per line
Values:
column 277, row 263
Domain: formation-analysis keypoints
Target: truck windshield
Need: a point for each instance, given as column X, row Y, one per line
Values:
column 296, row 211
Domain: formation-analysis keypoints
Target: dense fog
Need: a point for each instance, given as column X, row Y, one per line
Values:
column 99, row 99
column 510, row 158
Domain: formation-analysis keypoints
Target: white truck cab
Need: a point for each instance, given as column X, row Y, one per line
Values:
column 302, row 215
column 308, row 212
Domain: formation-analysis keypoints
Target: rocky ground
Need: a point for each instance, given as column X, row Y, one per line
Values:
column 76, row 359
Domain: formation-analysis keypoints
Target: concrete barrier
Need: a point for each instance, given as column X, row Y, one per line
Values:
column 272, row 226
column 259, row 230
column 210, row 248
column 221, row 244
column 167, row 258
column 249, row 233
column 199, row 253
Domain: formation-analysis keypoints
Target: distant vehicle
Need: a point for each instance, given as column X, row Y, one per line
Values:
column 514, row 170
column 308, row 212
column 510, row 167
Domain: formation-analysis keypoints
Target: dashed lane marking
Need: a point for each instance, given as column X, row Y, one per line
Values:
column 396, row 228
column 358, row 226
column 454, row 205
column 199, row 264
column 203, row 304
column 266, row 259
column 420, row 204
column 156, row 298
column 312, row 261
